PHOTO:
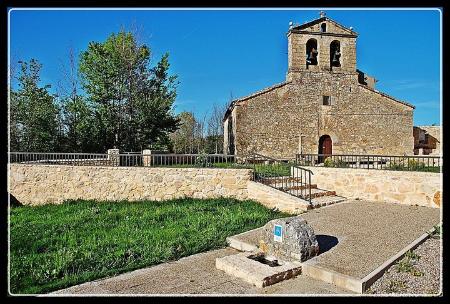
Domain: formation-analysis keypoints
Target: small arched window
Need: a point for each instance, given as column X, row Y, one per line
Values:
column 335, row 54
column 311, row 52
column 323, row 27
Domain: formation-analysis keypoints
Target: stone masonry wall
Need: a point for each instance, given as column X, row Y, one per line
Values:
column 297, row 53
column 411, row 188
column 41, row 184
column 359, row 121
column 273, row 198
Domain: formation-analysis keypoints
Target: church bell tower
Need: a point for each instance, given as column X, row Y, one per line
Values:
column 321, row 45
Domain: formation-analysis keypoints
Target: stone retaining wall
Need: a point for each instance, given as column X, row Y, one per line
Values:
column 41, row 184
column 404, row 187
column 273, row 198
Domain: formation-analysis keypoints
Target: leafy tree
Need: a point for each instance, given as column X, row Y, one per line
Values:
column 132, row 101
column 183, row 138
column 34, row 113
column 80, row 128
column 79, row 131
column 214, row 140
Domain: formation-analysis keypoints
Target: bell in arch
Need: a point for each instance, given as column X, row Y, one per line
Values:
column 312, row 56
column 336, row 56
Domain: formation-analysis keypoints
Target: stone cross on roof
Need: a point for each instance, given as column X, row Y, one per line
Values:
column 322, row 14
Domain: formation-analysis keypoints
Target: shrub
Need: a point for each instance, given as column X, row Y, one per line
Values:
column 328, row 162
column 437, row 232
column 406, row 264
column 340, row 164
column 202, row 160
column 415, row 165
column 396, row 285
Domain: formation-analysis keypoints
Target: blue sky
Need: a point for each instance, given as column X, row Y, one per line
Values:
column 218, row 53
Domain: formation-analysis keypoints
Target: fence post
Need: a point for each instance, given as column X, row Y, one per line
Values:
column 146, row 158
column 113, row 157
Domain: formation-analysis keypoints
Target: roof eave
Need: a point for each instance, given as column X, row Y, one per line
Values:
column 387, row 96
column 260, row 92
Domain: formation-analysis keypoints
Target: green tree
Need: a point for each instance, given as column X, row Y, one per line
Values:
column 214, row 139
column 183, row 139
column 79, row 132
column 132, row 101
column 80, row 128
column 34, row 113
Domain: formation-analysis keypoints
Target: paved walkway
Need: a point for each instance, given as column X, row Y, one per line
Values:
column 196, row 274
column 360, row 235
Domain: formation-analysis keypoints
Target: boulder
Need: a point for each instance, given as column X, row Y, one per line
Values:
column 289, row 239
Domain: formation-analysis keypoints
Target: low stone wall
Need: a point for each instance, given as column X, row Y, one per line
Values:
column 272, row 198
column 404, row 187
column 41, row 184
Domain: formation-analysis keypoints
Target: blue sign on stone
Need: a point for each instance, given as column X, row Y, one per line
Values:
column 278, row 233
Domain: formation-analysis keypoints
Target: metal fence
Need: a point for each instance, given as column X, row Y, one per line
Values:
column 282, row 175
column 377, row 162
column 124, row 160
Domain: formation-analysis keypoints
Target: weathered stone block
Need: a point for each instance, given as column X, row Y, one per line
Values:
column 297, row 242
column 244, row 266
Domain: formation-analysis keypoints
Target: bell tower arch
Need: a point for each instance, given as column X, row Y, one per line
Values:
column 321, row 45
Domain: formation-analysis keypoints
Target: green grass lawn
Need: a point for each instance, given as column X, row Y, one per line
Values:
column 56, row 246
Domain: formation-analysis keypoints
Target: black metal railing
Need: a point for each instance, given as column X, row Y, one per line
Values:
column 376, row 162
column 124, row 160
column 59, row 158
column 282, row 175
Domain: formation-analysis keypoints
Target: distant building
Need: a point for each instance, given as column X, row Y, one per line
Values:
column 427, row 140
column 325, row 105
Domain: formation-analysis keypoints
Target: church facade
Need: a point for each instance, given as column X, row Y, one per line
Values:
column 325, row 106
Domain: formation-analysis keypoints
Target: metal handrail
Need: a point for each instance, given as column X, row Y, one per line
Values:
column 121, row 159
column 296, row 181
column 372, row 161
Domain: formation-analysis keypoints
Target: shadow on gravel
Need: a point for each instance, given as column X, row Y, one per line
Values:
column 326, row 242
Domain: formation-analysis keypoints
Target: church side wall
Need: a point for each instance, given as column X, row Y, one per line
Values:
column 359, row 121
column 268, row 124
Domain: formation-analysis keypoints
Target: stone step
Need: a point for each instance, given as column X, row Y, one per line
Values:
column 296, row 187
column 279, row 180
column 314, row 193
column 326, row 200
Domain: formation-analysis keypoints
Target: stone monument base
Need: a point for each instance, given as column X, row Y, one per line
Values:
column 253, row 268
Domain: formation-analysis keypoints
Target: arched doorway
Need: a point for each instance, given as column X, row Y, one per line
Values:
column 325, row 147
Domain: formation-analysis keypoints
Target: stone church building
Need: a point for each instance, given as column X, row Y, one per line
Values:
column 326, row 105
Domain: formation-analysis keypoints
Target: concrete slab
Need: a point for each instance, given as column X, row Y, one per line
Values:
column 359, row 237
column 256, row 273
column 246, row 241
column 368, row 233
column 196, row 274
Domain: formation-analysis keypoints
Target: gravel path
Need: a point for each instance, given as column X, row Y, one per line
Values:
column 419, row 273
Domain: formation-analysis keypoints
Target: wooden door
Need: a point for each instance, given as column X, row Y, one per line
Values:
column 327, row 146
